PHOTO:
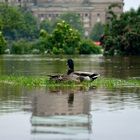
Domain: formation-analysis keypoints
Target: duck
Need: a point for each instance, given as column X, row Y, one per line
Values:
column 71, row 75
column 80, row 75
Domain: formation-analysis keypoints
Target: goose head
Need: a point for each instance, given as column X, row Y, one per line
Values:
column 70, row 65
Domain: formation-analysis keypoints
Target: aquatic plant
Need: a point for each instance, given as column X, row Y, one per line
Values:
column 40, row 81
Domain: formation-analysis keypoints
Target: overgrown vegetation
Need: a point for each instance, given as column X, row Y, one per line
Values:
column 64, row 40
column 3, row 43
column 72, row 19
column 122, row 34
column 88, row 47
column 17, row 23
column 25, row 35
column 97, row 31
column 31, row 81
column 21, row 33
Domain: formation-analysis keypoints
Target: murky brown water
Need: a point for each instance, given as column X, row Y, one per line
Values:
column 70, row 114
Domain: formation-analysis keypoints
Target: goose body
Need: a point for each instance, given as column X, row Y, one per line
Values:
column 86, row 75
column 72, row 75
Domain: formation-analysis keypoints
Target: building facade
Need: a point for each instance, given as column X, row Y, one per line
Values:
column 90, row 11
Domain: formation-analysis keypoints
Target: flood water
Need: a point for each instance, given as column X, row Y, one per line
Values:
column 69, row 114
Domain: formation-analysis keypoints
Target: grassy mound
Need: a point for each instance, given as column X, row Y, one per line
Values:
column 36, row 81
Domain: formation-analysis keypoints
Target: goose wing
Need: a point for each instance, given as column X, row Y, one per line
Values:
column 91, row 75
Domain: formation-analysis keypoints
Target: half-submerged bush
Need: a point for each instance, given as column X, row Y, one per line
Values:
column 88, row 47
column 21, row 47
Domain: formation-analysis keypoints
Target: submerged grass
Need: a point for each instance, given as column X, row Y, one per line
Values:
column 37, row 81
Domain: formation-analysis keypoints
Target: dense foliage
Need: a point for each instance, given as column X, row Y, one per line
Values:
column 65, row 40
column 88, row 47
column 74, row 21
column 17, row 23
column 21, row 47
column 122, row 35
column 48, row 25
column 2, row 43
column 97, row 31
column 60, row 36
column 64, row 37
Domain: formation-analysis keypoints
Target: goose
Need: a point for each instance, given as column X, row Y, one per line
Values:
column 72, row 75
column 80, row 75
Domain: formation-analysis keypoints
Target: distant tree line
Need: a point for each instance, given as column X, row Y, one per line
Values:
column 66, row 40
column 17, row 23
column 22, row 33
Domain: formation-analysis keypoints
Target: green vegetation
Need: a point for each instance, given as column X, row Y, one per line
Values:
column 21, row 33
column 64, row 37
column 65, row 40
column 60, row 36
column 97, row 31
column 21, row 47
column 17, row 23
column 122, row 34
column 74, row 21
column 88, row 47
column 2, row 43
column 31, row 81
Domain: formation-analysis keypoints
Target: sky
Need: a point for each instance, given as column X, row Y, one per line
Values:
column 128, row 4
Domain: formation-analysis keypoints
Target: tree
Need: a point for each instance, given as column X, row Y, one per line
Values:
column 2, row 43
column 48, row 25
column 17, row 23
column 43, row 41
column 30, row 29
column 122, row 34
column 64, row 37
column 1, row 24
column 97, row 31
column 21, row 46
column 11, row 20
column 74, row 21
column 88, row 47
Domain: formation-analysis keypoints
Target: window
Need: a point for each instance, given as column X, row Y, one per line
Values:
column 98, row 14
column 86, row 14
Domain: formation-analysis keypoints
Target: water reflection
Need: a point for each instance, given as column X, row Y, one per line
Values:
column 13, row 99
column 65, row 113
column 69, row 113
column 115, row 99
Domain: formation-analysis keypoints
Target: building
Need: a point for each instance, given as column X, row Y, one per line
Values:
column 90, row 11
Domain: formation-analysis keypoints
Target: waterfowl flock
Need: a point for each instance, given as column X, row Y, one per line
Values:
column 71, row 75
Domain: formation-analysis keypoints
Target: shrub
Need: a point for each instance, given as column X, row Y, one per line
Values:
column 88, row 47
column 123, row 34
column 21, row 47
column 56, row 50
column 65, row 37
column 3, row 43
